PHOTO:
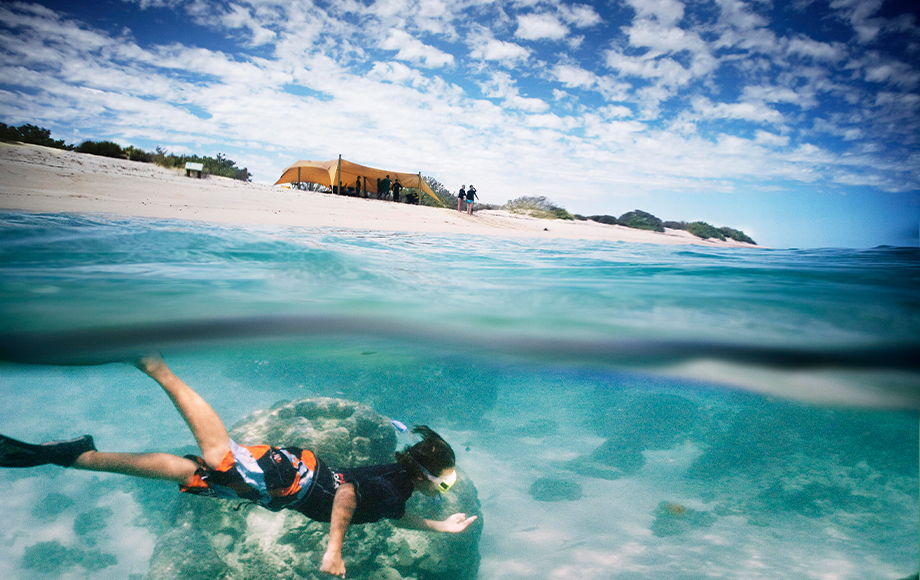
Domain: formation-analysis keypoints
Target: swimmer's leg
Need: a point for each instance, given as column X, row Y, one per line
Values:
column 80, row 453
column 150, row 465
column 206, row 426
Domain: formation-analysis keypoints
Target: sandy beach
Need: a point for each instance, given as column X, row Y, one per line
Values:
column 40, row 179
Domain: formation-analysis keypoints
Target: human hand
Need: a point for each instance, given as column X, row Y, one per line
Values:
column 333, row 564
column 456, row 523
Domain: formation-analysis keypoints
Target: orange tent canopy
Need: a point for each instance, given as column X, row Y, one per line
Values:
column 325, row 173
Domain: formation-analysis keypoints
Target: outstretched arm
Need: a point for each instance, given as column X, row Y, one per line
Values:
column 454, row 524
column 343, row 507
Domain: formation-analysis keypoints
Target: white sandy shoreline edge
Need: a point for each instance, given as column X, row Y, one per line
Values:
column 41, row 179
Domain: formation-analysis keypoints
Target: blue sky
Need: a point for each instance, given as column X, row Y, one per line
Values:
column 795, row 121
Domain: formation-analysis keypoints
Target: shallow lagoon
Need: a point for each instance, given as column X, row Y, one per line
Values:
column 523, row 354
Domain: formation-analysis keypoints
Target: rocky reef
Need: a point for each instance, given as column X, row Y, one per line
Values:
column 212, row 539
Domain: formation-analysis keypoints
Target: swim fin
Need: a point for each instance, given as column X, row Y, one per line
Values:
column 15, row 453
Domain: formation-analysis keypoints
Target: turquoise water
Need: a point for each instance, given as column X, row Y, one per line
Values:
column 724, row 412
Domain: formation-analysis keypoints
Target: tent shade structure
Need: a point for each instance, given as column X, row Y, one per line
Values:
column 332, row 173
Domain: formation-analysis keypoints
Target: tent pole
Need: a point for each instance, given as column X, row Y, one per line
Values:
column 338, row 174
column 420, row 192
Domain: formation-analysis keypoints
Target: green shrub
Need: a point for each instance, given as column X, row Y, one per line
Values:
column 30, row 134
column 737, row 235
column 102, row 148
column 445, row 197
column 675, row 225
column 222, row 166
column 538, row 207
column 641, row 220
column 604, row 219
column 705, row 231
column 135, row 154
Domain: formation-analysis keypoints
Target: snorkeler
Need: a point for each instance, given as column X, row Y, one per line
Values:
column 275, row 477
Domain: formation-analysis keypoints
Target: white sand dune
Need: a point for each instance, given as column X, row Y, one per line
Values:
column 40, row 179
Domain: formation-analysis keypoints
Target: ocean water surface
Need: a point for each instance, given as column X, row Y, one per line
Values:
column 624, row 410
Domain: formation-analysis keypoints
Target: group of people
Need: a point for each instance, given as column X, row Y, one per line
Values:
column 467, row 195
column 386, row 189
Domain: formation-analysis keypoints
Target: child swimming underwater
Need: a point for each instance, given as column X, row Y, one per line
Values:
column 275, row 477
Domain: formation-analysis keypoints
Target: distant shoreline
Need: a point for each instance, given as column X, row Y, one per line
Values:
column 42, row 179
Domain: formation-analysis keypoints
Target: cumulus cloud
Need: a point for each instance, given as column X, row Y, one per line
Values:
column 506, row 53
column 541, row 26
column 859, row 14
column 240, row 17
column 574, row 76
column 579, row 15
column 816, row 50
column 666, row 12
column 752, row 111
column 413, row 50
column 501, row 85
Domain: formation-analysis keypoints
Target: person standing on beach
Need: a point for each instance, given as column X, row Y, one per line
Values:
column 384, row 187
column 470, row 196
column 397, row 187
column 461, row 197
column 274, row 477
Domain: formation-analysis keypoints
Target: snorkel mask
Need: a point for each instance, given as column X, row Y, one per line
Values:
column 441, row 483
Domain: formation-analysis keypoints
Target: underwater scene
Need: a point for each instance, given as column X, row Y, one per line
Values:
column 622, row 411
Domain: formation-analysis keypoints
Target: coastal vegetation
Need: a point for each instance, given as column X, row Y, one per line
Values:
column 446, row 198
column 30, row 134
column 220, row 166
column 538, row 207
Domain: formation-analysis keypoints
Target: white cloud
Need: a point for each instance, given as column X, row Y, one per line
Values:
column 240, row 17
column 501, row 86
column 773, row 94
column 666, row 12
column 540, row 26
column 859, row 14
column 574, row 76
column 770, row 139
column 579, row 15
column 815, row 50
column 413, row 50
column 668, row 72
column 548, row 121
column 752, row 111
column 878, row 69
column 507, row 53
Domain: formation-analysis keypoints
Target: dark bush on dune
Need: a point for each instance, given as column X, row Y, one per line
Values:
column 641, row 220
column 103, row 148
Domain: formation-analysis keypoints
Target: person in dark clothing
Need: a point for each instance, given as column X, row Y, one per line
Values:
column 397, row 187
column 470, row 196
column 461, row 197
column 384, row 187
column 274, row 477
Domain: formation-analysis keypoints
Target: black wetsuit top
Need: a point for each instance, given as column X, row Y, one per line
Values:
column 381, row 492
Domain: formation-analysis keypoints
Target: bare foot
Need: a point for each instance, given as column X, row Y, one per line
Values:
column 150, row 363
